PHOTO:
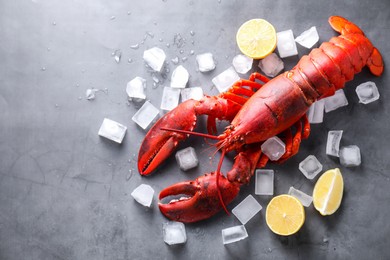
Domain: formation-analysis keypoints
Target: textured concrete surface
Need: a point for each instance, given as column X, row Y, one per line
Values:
column 65, row 192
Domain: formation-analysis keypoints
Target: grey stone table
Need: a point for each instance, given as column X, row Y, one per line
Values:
column 65, row 191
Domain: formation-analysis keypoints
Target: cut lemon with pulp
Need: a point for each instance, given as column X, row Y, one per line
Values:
column 256, row 38
column 328, row 192
column 285, row 215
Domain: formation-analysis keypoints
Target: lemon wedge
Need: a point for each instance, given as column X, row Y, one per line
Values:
column 285, row 215
column 328, row 192
column 256, row 38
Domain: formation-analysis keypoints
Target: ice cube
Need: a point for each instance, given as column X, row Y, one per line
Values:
column 155, row 58
column 195, row 93
column 264, row 184
column 179, row 77
column 242, row 63
column 187, row 159
column 271, row 65
column 90, row 93
column 305, row 199
column 350, row 156
column 233, row 234
column 226, row 79
column 310, row 167
column 205, row 62
column 170, row 98
column 274, row 148
column 315, row 114
column 333, row 142
column 246, row 209
column 337, row 100
column 308, row 38
column 112, row 130
column 286, row 44
column 145, row 115
column 143, row 194
column 174, row 233
column 367, row 92
column 135, row 89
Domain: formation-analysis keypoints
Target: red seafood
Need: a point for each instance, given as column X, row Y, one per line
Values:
column 257, row 109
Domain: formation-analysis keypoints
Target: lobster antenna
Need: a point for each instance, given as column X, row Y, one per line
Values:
column 190, row 133
column 217, row 181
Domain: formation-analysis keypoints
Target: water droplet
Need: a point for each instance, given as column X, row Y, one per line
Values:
column 43, row 69
column 184, row 59
column 112, row 17
column 128, row 13
column 134, row 46
column 54, row 23
column 80, row 98
column 130, row 60
column 181, row 51
column 192, row 33
column 168, row 45
column 48, row 49
column 175, row 60
column 151, row 35
column 192, row 52
column 160, row 40
column 117, row 55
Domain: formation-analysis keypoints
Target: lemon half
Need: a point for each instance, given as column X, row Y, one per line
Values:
column 285, row 215
column 256, row 38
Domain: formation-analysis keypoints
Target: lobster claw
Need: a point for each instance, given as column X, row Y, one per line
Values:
column 203, row 201
column 159, row 144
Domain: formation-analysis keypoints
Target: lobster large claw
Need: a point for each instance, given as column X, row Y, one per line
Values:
column 159, row 144
column 203, row 201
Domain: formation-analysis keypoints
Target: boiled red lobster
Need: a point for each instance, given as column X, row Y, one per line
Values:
column 258, row 109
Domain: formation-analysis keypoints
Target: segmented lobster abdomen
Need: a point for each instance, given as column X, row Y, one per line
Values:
column 327, row 68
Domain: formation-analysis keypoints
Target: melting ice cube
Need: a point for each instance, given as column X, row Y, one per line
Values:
column 350, row 156
column 274, row 148
column 226, row 79
column 112, row 130
column 286, row 44
column 174, row 233
column 310, row 167
column 233, row 234
column 179, row 77
column 242, row 63
column 205, row 62
column 155, row 58
column 264, row 182
column 333, row 142
column 170, row 98
column 145, row 115
column 135, row 88
column 315, row 114
column 143, row 194
column 305, row 199
column 308, row 38
column 195, row 93
column 367, row 92
column 271, row 65
column 337, row 100
column 187, row 159
column 246, row 209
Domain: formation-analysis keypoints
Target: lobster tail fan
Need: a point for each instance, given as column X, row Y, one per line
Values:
column 343, row 26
